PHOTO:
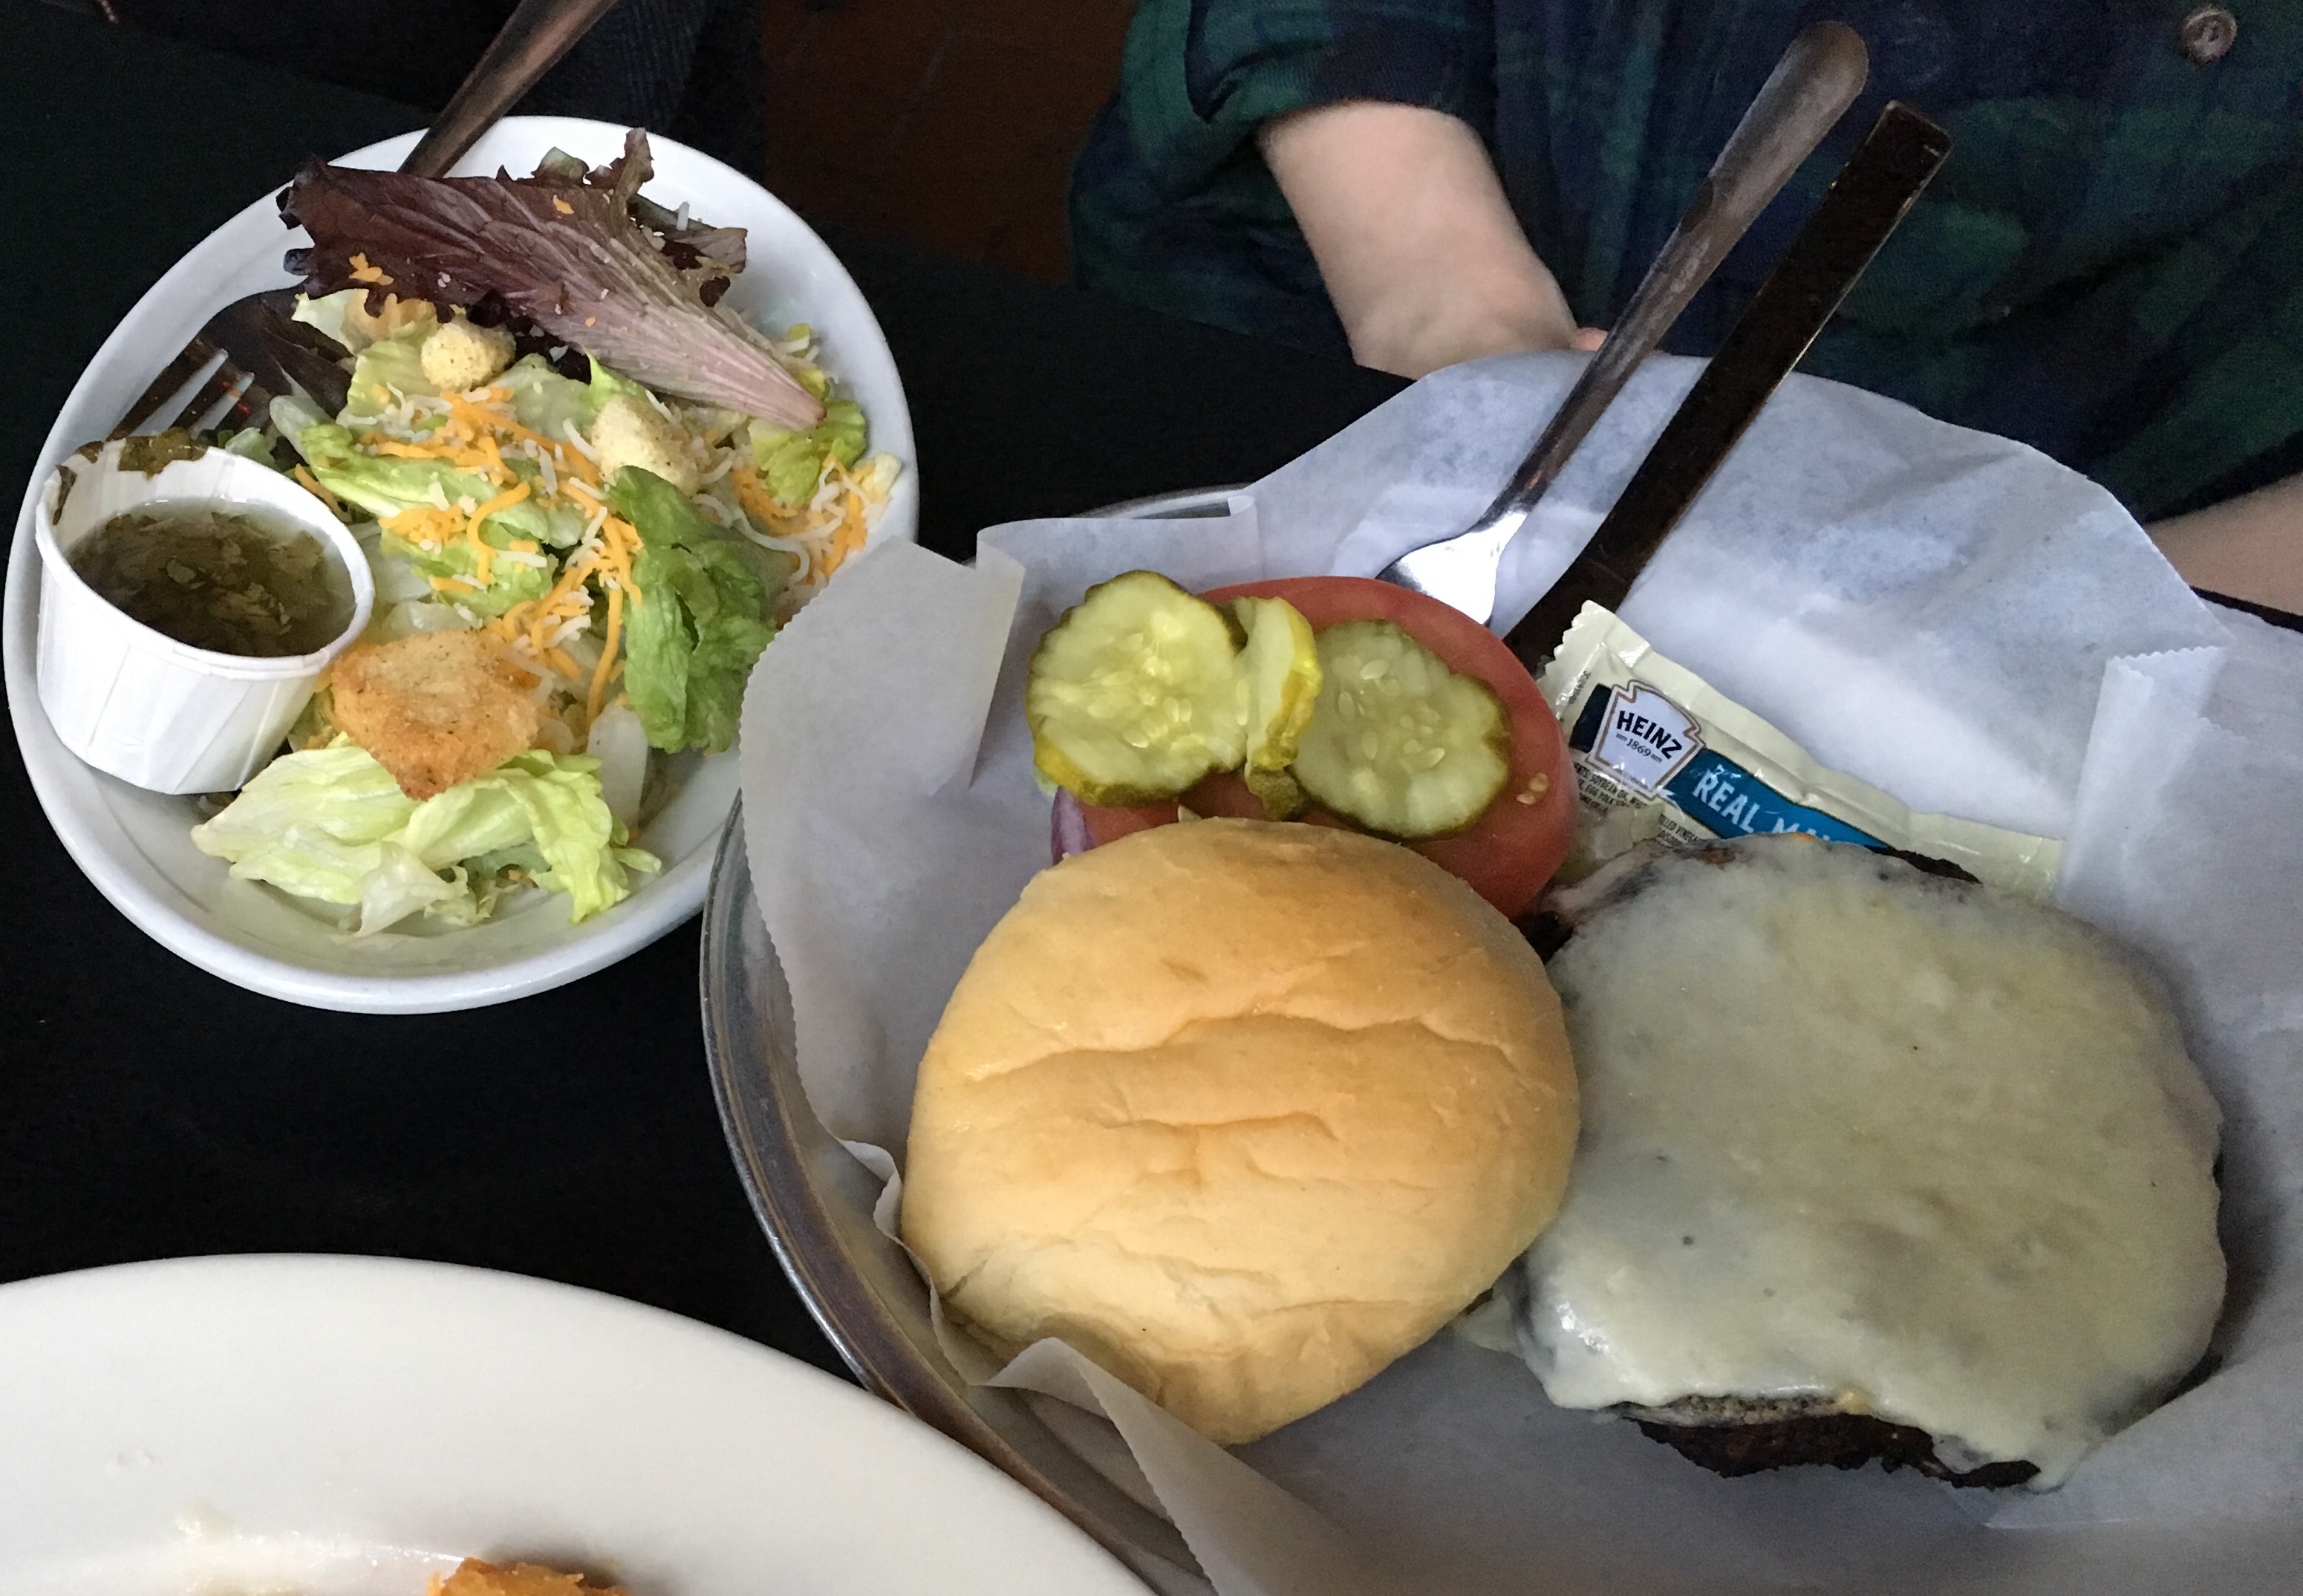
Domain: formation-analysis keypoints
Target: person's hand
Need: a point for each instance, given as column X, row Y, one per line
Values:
column 1415, row 241
column 2250, row 547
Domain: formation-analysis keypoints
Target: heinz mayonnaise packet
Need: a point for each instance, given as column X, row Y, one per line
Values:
column 1659, row 753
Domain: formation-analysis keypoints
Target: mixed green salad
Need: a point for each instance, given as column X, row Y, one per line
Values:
column 624, row 548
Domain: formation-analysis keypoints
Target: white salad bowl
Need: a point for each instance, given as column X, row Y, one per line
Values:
column 136, row 846
column 134, row 702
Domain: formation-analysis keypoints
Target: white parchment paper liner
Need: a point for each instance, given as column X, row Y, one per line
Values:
column 1947, row 615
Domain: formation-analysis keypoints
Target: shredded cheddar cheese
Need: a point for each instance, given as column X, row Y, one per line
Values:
column 482, row 554
column 303, row 474
column 427, row 527
column 758, row 502
column 608, row 649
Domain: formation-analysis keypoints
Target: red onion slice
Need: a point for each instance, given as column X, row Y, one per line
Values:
column 1067, row 832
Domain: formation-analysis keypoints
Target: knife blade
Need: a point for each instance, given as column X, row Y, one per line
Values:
column 1870, row 196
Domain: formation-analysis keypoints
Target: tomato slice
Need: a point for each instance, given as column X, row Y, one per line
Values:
column 1511, row 850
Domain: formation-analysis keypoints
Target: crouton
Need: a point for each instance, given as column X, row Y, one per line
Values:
column 630, row 432
column 475, row 1578
column 456, row 355
column 436, row 709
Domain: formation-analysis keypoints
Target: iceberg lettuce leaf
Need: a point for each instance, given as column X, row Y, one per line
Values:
column 331, row 824
column 386, row 372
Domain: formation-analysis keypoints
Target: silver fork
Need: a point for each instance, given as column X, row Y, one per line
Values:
column 251, row 350
column 1817, row 78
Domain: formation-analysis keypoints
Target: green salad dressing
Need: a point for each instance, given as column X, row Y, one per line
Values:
column 219, row 581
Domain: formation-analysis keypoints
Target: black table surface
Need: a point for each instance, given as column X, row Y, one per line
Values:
column 148, row 1109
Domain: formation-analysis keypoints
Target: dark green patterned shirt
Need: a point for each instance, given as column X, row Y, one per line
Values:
column 2110, row 265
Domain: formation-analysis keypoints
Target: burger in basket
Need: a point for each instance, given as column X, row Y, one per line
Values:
column 1796, row 1152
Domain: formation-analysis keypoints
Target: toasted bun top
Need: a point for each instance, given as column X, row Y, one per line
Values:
column 1242, row 1110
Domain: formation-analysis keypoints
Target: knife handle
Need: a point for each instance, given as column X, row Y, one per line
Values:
column 1865, row 202
column 1801, row 101
column 530, row 44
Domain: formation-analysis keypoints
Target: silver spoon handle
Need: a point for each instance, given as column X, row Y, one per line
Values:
column 1812, row 85
column 534, row 36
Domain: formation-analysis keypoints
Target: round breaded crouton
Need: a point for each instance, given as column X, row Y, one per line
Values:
column 436, row 709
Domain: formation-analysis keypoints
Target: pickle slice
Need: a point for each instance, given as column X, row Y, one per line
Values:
column 1398, row 742
column 1282, row 795
column 1281, row 661
column 1136, row 693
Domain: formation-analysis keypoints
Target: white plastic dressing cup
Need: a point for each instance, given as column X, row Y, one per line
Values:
column 134, row 702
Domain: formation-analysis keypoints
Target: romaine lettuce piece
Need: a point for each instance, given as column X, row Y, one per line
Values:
column 606, row 386
column 697, row 623
column 797, row 347
column 385, row 485
column 344, row 315
column 544, row 401
column 331, row 313
column 458, row 562
column 790, row 462
column 386, row 372
column 250, row 443
column 291, row 413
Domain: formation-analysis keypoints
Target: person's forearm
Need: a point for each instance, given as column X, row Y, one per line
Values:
column 1417, row 244
column 2250, row 547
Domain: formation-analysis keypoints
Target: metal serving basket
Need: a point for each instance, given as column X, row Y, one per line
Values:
column 816, row 1201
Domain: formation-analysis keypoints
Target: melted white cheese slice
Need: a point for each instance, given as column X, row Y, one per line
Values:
column 1920, row 1149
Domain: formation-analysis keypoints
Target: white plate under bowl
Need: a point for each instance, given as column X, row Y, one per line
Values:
column 134, row 845
column 346, row 1426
